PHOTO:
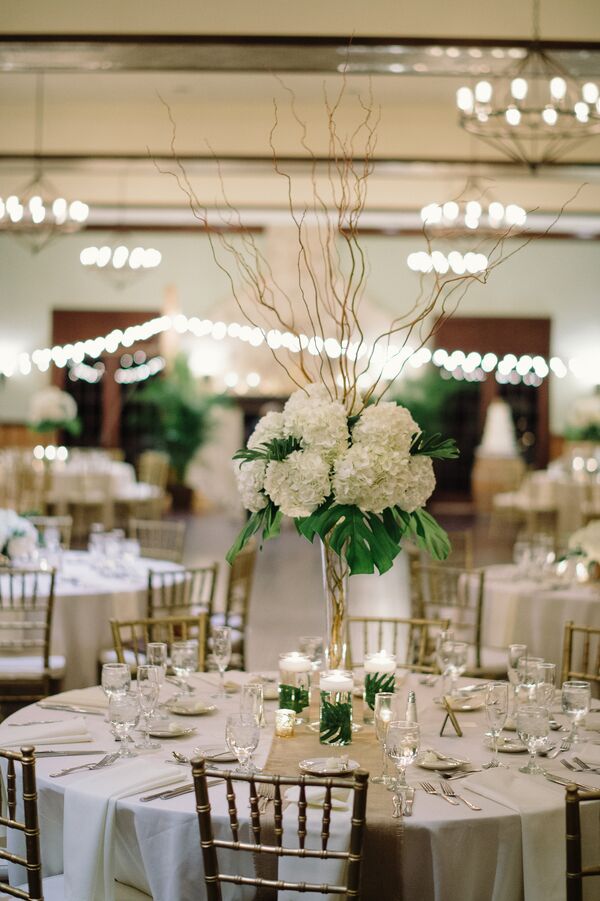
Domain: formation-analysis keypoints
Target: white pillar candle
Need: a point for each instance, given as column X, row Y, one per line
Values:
column 382, row 662
column 336, row 680
column 294, row 662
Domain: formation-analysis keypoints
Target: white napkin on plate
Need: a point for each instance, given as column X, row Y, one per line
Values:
column 60, row 733
column 94, row 698
column 542, row 809
column 315, row 796
column 89, row 821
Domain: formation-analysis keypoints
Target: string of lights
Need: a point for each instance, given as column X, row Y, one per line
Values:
column 386, row 359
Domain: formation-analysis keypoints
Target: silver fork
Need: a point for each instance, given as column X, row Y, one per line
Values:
column 99, row 765
column 563, row 746
column 429, row 788
column 585, row 766
column 449, row 791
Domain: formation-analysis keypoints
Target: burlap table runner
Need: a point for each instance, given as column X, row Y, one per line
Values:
column 382, row 849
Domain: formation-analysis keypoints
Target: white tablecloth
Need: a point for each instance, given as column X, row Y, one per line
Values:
column 449, row 853
column 518, row 609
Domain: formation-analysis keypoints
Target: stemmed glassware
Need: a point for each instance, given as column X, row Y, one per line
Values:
column 383, row 714
column 124, row 713
column 457, row 663
column 544, row 693
column 515, row 652
column 148, row 688
column 242, row 734
column 221, row 651
column 115, row 680
column 443, row 652
column 402, row 743
column 184, row 660
column 496, row 711
column 533, row 727
column 157, row 655
column 576, row 700
column 313, row 647
column 528, row 674
column 252, row 701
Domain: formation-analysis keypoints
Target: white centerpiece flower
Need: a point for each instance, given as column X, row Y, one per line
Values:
column 299, row 484
column 50, row 408
column 587, row 541
column 18, row 536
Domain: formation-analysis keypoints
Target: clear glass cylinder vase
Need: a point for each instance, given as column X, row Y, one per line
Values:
column 335, row 586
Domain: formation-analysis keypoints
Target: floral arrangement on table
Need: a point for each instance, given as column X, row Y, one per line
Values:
column 585, row 542
column 18, row 537
column 52, row 409
column 584, row 420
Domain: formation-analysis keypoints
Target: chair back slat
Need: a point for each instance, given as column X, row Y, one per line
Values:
column 29, row 825
column 409, row 638
column 581, row 645
column 298, row 848
column 576, row 872
column 162, row 540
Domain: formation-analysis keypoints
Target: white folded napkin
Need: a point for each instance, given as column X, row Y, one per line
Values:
column 60, row 733
column 315, row 796
column 542, row 810
column 94, row 698
column 90, row 804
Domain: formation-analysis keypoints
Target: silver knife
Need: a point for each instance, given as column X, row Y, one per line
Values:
column 39, row 754
column 560, row 781
column 409, row 798
column 72, row 709
column 175, row 792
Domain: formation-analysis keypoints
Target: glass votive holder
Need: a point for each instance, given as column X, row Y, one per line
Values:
column 380, row 675
column 294, row 682
column 314, row 647
column 335, row 710
column 284, row 722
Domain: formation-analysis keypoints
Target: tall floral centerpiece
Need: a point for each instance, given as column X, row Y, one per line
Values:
column 51, row 409
column 18, row 537
column 585, row 543
column 357, row 478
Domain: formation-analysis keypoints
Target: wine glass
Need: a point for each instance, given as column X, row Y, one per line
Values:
column 515, row 652
column 221, row 651
column 533, row 727
column 252, row 701
column 115, row 680
column 124, row 713
column 314, row 648
column 576, row 700
column 443, row 648
column 184, row 660
column 382, row 713
column 528, row 674
column 148, row 688
column 496, row 711
column 242, row 734
column 544, row 692
column 457, row 663
column 402, row 742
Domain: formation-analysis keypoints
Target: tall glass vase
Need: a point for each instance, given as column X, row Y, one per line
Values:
column 335, row 585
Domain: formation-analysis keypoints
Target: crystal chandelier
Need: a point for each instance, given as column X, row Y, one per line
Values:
column 37, row 213
column 473, row 214
column 536, row 111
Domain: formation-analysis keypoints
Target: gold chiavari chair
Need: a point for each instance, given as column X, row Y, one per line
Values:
column 581, row 653
column 181, row 591
column 237, row 603
column 62, row 524
column 29, row 826
column 153, row 468
column 462, row 553
column 576, row 873
column 158, row 539
column 131, row 637
column 28, row 671
column 449, row 592
column 410, row 639
column 276, row 849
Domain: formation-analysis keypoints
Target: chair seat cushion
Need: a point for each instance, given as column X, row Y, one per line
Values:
column 54, row 890
column 30, row 667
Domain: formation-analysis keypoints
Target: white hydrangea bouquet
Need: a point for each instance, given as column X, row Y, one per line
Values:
column 17, row 535
column 586, row 541
column 51, row 409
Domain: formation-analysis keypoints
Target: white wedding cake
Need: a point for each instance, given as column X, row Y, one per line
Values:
column 499, row 439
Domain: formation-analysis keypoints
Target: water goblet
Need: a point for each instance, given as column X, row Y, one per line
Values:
column 533, row 727
column 115, row 680
column 496, row 711
column 457, row 663
column 402, row 743
column 544, row 692
column 528, row 675
column 221, row 651
column 252, row 701
column 314, row 648
column 383, row 714
column 576, row 700
column 242, row 734
column 443, row 650
column 184, row 660
column 124, row 713
column 148, row 688
column 515, row 652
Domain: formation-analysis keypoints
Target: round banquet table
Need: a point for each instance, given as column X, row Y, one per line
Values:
column 85, row 599
column 446, row 852
column 517, row 608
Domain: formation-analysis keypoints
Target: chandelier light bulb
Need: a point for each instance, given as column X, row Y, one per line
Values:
column 558, row 87
column 518, row 88
column 513, row 116
column 431, row 214
column 550, row 116
column 38, row 214
column 590, row 92
column 464, row 99
column 582, row 111
column 473, row 209
column 483, row 92
column 451, row 210
column 119, row 257
column 496, row 211
column 103, row 257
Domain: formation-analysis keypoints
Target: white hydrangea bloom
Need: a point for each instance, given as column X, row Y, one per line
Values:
column 420, row 485
column 318, row 422
column 13, row 525
column 270, row 426
column 52, row 404
column 250, row 479
column 298, row 484
column 385, row 426
column 588, row 540
column 372, row 481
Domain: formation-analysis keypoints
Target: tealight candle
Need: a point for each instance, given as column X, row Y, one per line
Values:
column 284, row 722
column 294, row 681
column 295, row 662
column 335, row 714
column 336, row 680
column 380, row 675
column 382, row 662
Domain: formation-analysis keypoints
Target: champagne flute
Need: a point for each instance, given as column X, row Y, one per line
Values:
column 576, row 700
column 382, row 713
column 184, row 660
column 496, row 711
column 533, row 726
column 528, row 675
column 221, row 651
column 115, row 680
column 443, row 649
column 544, row 692
column 242, row 734
column 157, row 655
column 402, row 745
column 124, row 713
column 252, row 701
column 148, row 688
column 515, row 652
column 458, row 663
